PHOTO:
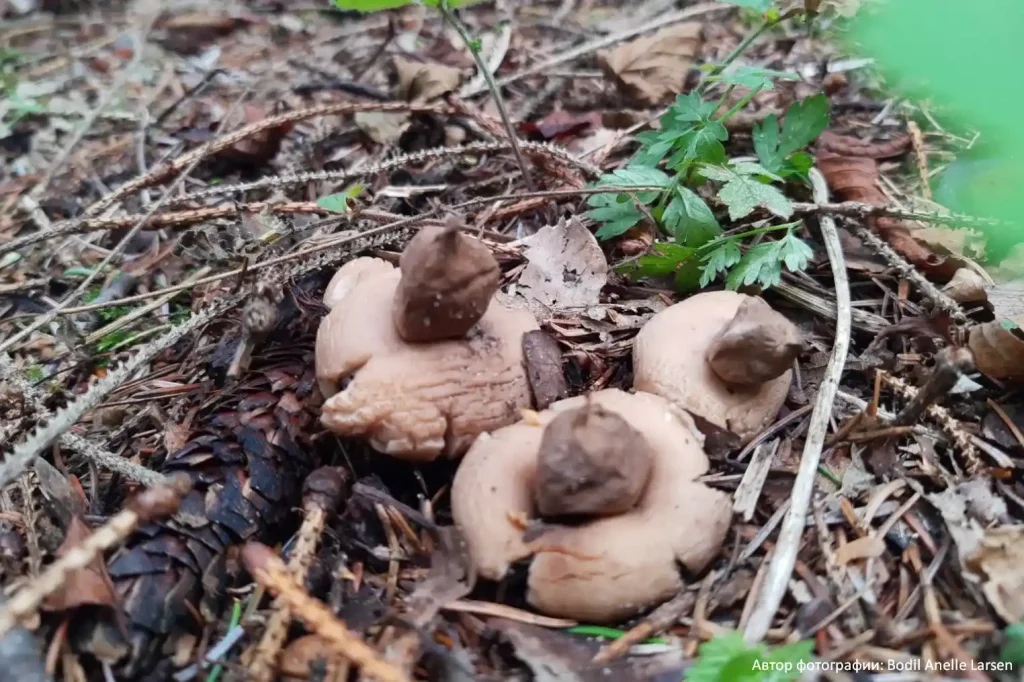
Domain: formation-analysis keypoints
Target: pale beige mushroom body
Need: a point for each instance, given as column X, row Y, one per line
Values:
column 670, row 359
column 606, row 569
column 415, row 401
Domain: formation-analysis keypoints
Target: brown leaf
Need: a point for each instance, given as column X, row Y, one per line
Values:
column 260, row 147
column 424, row 81
column 192, row 32
column 383, row 127
column 561, row 124
column 998, row 348
column 868, row 547
column 999, row 557
column 89, row 585
column 967, row 286
column 652, row 69
column 851, row 171
column 566, row 268
column 301, row 657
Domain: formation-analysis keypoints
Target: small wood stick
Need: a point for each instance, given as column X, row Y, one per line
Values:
column 153, row 503
column 270, row 572
column 660, row 620
column 950, row 363
column 324, row 491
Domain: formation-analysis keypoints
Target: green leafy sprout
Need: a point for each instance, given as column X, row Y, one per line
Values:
column 689, row 146
column 727, row 658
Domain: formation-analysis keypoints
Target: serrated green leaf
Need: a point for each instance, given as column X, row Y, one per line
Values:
column 766, row 142
column 690, row 108
column 689, row 220
column 794, row 252
column 724, row 256
column 798, row 164
column 805, row 120
column 761, row 6
column 753, row 77
column 714, row 655
column 634, row 176
column 759, row 265
column 717, row 173
column 663, row 261
column 751, row 168
column 688, row 276
column 615, row 212
column 743, row 193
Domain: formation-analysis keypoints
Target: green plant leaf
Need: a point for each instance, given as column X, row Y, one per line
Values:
column 688, row 108
column 761, row 6
column 616, row 218
column 753, row 77
column 792, row 654
column 689, row 220
column 794, row 252
column 632, row 176
column 663, row 261
column 743, row 193
column 339, row 201
column 714, row 655
column 805, row 120
column 723, row 257
column 1012, row 650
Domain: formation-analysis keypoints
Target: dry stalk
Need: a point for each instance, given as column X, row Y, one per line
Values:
column 941, row 300
column 151, row 504
column 72, row 441
column 220, row 143
column 324, row 490
column 661, row 619
column 547, row 150
column 788, row 545
column 941, row 416
column 270, row 572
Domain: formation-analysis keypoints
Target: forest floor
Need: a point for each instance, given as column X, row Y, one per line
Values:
column 171, row 169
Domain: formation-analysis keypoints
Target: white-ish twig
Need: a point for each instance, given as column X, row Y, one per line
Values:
column 72, row 441
column 788, row 544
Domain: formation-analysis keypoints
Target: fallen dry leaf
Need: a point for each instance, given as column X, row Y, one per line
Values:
column 967, row 286
column 89, row 585
column 851, row 171
column 192, row 32
column 383, row 127
column 998, row 348
column 566, row 267
column 256, row 149
column 560, row 124
column 301, row 657
column 869, row 547
column 998, row 559
column 423, row 81
column 653, row 69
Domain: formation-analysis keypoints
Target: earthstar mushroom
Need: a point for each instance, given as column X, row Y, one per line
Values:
column 607, row 568
column 416, row 400
column 723, row 356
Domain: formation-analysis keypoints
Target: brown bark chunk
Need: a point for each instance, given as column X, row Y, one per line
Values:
column 544, row 368
column 591, row 462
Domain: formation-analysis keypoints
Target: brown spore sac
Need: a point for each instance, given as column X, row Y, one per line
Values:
column 757, row 346
column 447, row 282
column 591, row 463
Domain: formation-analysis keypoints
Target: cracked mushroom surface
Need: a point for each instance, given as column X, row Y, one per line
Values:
column 723, row 356
column 609, row 568
column 415, row 401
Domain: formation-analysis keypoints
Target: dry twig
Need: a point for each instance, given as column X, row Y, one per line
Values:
column 270, row 572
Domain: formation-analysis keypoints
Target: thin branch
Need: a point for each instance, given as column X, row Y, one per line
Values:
column 788, row 544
